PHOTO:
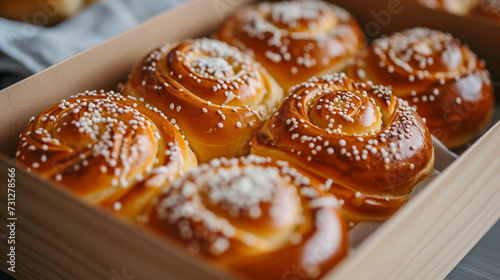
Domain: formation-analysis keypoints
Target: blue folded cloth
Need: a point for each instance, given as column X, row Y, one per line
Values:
column 35, row 47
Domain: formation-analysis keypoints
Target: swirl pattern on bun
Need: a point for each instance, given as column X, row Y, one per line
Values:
column 106, row 148
column 368, row 147
column 216, row 95
column 295, row 40
column 434, row 72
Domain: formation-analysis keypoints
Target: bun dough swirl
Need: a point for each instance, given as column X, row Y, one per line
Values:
column 105, row 148
column 217, row 95
column 295, row 40
column 367, row 146
column 438, row 75
column 257, row 217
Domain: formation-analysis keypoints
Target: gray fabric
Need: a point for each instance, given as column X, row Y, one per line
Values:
column 11, row 71
column 36, row 47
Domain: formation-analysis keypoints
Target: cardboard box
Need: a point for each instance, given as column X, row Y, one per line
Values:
column 59, row 237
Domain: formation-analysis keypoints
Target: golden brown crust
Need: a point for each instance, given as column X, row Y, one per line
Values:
column 217, row 95
column 436, row 73
column 40, row 12
column 295, row 40
column 459, row 7
column 489, row 9
column 108, row 149
column 372, row 152
column 257, row 217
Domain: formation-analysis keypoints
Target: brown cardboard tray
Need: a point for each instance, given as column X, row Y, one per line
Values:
column 59, row 237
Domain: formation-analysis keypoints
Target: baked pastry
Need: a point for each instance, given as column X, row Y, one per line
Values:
column 105, row 148
column 295, row 40
column 257, row 217
column 459, row 7
column 367, row 146
column 489, row 9
column 434, row 72
column 217, row 95
column 40, row 12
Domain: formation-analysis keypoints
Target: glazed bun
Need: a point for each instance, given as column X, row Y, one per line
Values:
column 40, row 12
column 436, row 74
column 459, row 7
column 257, row 217
column 295, row 40
column 105, row 148
column 217, row 95
column 368, row 147
column 488, row 9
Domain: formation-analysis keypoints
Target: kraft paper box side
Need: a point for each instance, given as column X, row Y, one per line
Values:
column 437, row 215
